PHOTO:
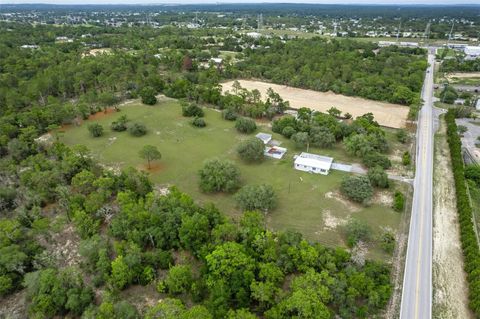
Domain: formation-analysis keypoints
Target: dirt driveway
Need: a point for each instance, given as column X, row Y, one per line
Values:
column 387, row 114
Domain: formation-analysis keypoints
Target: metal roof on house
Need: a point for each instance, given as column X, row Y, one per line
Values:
column 313, row 160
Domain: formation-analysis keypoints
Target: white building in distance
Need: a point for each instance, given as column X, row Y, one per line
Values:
column 313, row 163
column 471, row 52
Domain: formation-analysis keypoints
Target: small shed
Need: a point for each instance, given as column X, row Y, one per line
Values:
column 266, row 138
column 313, row 163
column 275, row 151
column 477, row 105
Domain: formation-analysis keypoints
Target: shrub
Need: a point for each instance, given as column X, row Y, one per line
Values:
column 219, row 176
column 7, row 197
column 288, row 131
column 398, row 201
column 245, row 125
column 372, row 159
column 179, row 279
column 137, row 129
column 251, row 150
column 387, row 242
column 300, row 139
column 357, row 231
column 406, row 160
column 468, row 239
column 95, row 129
column 462, row 129
column 120, row 125
column 199, row 122
column 402, row 136
column 357, row 188
column 448, row 95
column 279, row 124
column 378, row 177
column 192, row 110
column 229, row 115
column 472, row 172
column 256, row 197
column 322, row 137
column 148, row 96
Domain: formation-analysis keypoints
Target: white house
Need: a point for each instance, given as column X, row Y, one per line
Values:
column 266, row 138
column 472, row 52
column 477, row 105
column 313, row 163
column 275, row 151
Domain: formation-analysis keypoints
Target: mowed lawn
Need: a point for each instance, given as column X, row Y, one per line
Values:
column 306, row 202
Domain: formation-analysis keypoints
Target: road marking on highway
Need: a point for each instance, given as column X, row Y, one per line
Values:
column 425, row 142
column 422, row 212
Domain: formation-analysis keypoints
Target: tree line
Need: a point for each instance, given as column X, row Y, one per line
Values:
column 129, row 236
column 468, row 237
column 347, row 67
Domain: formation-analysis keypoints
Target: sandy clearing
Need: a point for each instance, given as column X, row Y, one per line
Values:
column 450, row 299
column 95, row 52
column 387, row 114
column 463, row 75
column 331, row 222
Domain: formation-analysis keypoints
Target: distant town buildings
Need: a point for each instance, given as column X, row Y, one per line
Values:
column 400, row 44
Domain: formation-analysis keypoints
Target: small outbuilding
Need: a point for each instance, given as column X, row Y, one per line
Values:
column 266, row 138
column 313, row 163
column 275, row 151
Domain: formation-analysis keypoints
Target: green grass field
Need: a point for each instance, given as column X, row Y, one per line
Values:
column 302, row 205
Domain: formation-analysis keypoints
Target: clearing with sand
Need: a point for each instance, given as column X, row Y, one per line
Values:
column 386, row 114
column 450, row 298
column 463, row 75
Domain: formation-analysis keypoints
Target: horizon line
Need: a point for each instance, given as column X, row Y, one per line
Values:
column 244, row 3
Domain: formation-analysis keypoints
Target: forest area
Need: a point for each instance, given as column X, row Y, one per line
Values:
column 195, row 259
column 389, row 74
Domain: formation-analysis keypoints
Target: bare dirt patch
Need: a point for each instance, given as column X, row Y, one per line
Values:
column 384, row 198
column 95, row 52
column 352, row 207
column 142, row 297
column 387, row 114
column 102, row 114
column 62, row 247
column 450, row 298
column 13, row 306
column 463, row 75
column 154, row 167
column 331, row 222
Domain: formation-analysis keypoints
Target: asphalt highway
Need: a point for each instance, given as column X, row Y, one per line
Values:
column 417, row 282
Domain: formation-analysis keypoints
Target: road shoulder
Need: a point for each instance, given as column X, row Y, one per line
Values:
column 450, row 290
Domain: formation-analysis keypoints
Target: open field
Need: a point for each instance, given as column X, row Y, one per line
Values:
column 450, row 297
column 307, row 203
column 387, row 114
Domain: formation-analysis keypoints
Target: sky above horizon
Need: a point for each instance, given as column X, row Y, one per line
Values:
column 396, row 2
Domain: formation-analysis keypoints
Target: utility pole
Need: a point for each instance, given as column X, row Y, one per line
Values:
column 260, row 22
column 450, row 34
column 426, row 34
column 399, row 27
